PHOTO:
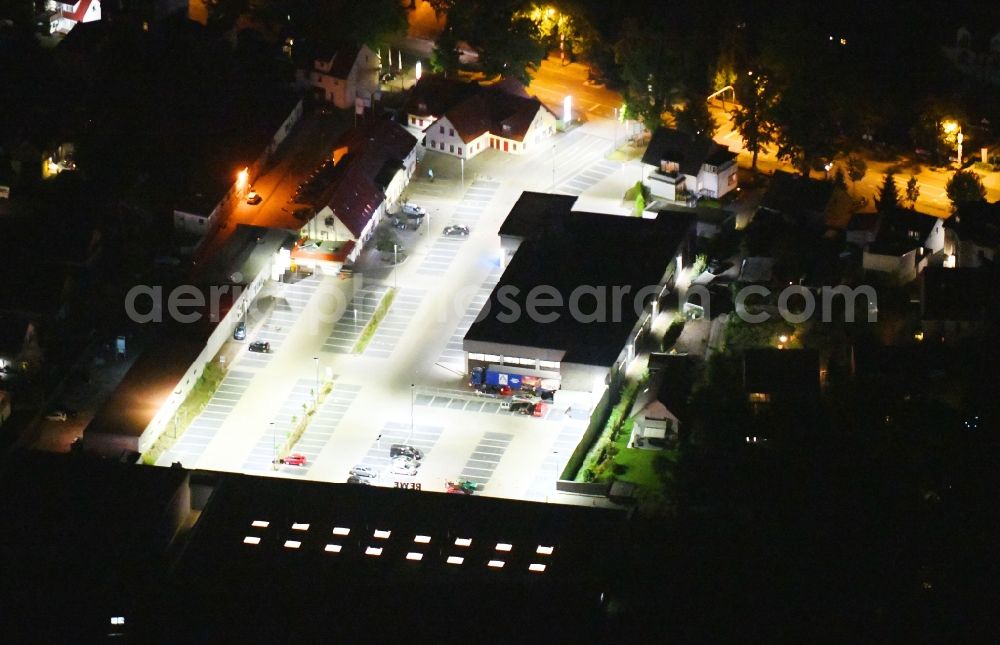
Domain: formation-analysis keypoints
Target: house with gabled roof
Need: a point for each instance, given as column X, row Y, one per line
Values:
column 341, row 72
column 688, row 165
column 972, row 235
column 373, row 164
column 502, row 116
column 70, row 13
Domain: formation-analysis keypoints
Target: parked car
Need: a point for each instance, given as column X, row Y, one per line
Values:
column 402, row 466
column 260, row 346
column 522, row 407
column 460, row 487
column 240, row 333
column 403, row 450
column 456, row 230
column 294, row 459
column 358, row 480
column 57, row 415
column 253, row 198
column 388, row 76
column 413, row 210
column 399, row 224
column 363, row 472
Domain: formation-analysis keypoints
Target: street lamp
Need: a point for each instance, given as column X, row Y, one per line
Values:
column 953, row 127
column 274, row 447
column 553, row 166
column 316, row 391
column 395, row 262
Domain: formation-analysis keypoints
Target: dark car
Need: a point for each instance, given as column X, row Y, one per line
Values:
column 240, row 333
column 403, row 450
column 261, row 346
column 456, row 231
column 715, row 267
column 388, row 76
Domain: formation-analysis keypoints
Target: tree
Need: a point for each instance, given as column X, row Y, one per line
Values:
column 694, row 118
column 888, row 194
column 649, row 66
column 753, row 117
column 513, row 52
column 965, row 187
column 912, row 190
column 856, row 169
column 839, row 179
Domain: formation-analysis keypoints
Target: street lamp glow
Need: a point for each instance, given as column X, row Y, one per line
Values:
column 567, row 109
column 419, row 71
column 242, row 177
column 949, row 127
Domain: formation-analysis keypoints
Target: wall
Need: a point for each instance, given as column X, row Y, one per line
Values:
column 442, row 137
column 597, row 420
column 903, row 267
column 222, row 332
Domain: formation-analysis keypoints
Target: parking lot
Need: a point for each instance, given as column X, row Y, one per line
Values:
column 471, row 402
column 191, row 445
column 485, row 458
column 587, row 178
column 395, row 323
column 439, row 257
column 453, row 355
column 289, row 302
column 419, row 436
column 476, row 199
column 346, row 331
column 276, row 430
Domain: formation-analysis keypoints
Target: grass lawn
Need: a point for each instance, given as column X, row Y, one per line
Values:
column 196, row 400
column 639, row 468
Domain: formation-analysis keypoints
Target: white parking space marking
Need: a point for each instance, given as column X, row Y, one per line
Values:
column 439, row 256
column 420, row 436
column 272, row 437
column 469, row 401
column 348, row 328
column 191, row 445
column 395, row 323
column 587, row 178
column 322, row 426
column 485, row 457
column 292, row 299
column 453, row 354
column 554, row 463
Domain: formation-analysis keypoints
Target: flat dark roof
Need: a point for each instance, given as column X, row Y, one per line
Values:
column 567, row 249
column 300, row 567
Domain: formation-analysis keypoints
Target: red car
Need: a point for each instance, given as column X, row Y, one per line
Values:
column 294, row 459
column 505, row 391
column 539, row 410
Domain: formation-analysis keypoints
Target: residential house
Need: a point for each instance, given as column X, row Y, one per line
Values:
column 497, row 117
column 661, row 410
column 955, row 303
column 431, row 97
column 214, row 185
column 904, row 242
column 684, row 165
column 14, row 332
column 972, row 235
column 862, row 229
column 71, row 13
column 341, row 72
column 373, row 165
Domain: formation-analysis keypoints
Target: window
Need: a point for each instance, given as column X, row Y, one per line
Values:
column 526, row 361
column 760, row 397
column 493, row 358
column 551, row 365
column 460, row 151
column 413, row 120
column 451, row 148
column 441, row 129
column 451, row 132
column 476, row 357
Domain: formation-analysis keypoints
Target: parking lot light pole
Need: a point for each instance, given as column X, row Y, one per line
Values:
column 395, row 262
column 316, row 391
column 408, row 439
column 553, row 166
column 274, row 447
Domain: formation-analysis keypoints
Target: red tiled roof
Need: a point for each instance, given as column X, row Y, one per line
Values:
column 81, row 8
column 494, row 110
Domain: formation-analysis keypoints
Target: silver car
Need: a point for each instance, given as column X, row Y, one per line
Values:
column 363, row 472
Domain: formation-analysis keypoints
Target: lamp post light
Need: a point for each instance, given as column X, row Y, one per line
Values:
column 316, row 391
column 553, row 166
column 395, row 262
column 274, row 447
column 953, row 127
column 409, row 438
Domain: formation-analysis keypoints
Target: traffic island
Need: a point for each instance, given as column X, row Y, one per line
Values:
column 376, row 319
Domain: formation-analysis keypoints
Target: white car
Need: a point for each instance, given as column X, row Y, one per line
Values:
column 412, row 210
column 403, row 466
